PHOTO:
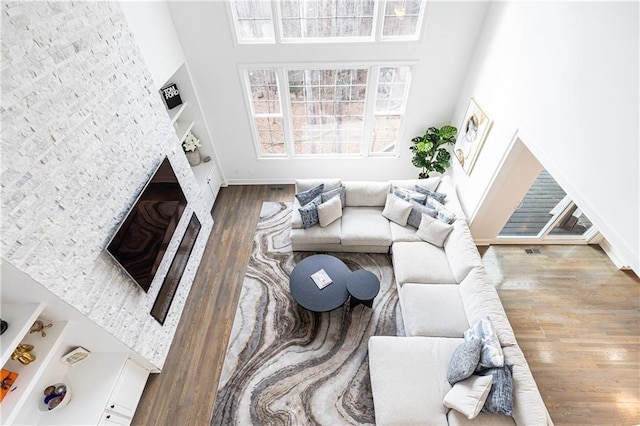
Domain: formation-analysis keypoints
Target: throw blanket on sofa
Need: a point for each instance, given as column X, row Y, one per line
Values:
column 287, row 365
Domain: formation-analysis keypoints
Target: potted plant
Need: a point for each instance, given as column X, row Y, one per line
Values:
column 429, row 150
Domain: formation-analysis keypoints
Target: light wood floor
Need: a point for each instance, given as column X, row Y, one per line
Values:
column 575, row 316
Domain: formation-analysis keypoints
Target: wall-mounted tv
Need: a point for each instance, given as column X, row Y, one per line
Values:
column 142, row 238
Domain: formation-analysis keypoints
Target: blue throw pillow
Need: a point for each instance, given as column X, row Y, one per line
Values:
column 340, row 192
column 415, row 217
column 408, row 195
column 440, row 196
column 305, row 197
column 309, row 212
column 500, row 399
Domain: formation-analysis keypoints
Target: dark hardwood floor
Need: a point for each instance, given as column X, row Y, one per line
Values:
column 576, row 317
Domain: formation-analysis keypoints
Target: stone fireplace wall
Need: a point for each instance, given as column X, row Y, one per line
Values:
column 82, row 131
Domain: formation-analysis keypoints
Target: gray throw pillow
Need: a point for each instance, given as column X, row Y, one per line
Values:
column 491, row 354
column 309, row 212
column 340, row 192
column 464, row 360
column 417, row 209
column 500, row 399
column 305, row 197
column 440, row 196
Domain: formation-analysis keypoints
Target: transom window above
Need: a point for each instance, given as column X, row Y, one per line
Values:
column 302, row 111
column 266, row 21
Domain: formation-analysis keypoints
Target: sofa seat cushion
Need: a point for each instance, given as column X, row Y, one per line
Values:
column 366, row 194
column 461, row 251
column 433, row 310
column 403, row 233
column 365, row 226
column 409, row 378
column 317, row 235
column 482, row 419
column 420, row 262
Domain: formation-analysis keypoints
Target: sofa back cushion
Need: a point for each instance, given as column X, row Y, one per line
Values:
column 461, row 251
column 366, row 194
column 480, row 300
column 428, row 183
column 306, row 184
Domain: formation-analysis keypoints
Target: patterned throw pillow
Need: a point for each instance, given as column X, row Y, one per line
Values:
column 408, row 195
column 464, row 360
column 440, row 196
column 492, row 355
column 417, row 209
column 305, row 197
column 341, row 192
column 500, row 399
column 444, row 214
column 309, row 212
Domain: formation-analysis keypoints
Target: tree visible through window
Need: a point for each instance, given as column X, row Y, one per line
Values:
column 318, row 20
column 327, row 110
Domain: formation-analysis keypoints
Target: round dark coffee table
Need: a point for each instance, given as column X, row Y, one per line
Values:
column 305, row 291
column 363, row 286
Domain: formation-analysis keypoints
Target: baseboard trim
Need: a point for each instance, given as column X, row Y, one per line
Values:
column 609, row 250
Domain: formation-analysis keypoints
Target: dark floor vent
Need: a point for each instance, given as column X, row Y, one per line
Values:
column 276, row 188
column 532, row 251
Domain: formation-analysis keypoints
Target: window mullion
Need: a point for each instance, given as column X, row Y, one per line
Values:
column 378, row 18
column 285, row 107
column 369, row 111
column 276, row 12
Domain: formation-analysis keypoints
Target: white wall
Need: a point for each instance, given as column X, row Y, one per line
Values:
column 564, row 76
column 213, row 58
column 153, row 29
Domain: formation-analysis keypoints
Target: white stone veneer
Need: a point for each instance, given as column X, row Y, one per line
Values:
column 82, row 131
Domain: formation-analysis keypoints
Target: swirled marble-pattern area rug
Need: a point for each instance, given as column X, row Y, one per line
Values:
column 285, row 365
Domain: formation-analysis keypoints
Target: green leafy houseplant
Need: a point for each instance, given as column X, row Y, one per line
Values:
column 429, row 150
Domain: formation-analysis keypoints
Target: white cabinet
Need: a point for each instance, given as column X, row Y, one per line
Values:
column 128, row 390
column 188, row 118
column 109, row 418
column 108, row 377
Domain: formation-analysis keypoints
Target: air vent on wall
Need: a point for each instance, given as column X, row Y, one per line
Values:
column 532, row 251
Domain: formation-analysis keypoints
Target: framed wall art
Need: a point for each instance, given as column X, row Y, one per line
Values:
column 473, row 132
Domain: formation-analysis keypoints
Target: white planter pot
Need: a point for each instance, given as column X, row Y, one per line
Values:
column 193, row 157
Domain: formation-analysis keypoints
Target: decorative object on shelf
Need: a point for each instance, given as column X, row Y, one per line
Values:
column 75, row 356
column 8, row 379
column 429, row 150
column 473, row 132
column 190, row 146
column 23, row 354
column 39, row 326
column 55, row 396
column 171, row 95
column 3, row 326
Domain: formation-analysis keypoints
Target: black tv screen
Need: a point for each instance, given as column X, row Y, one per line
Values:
column 142, row 239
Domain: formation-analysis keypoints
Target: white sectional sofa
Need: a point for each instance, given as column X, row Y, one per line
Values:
column 443, row 291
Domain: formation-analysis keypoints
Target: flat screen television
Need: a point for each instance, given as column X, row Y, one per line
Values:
column 142, row 238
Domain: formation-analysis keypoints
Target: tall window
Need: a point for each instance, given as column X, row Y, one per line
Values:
column 327, row 111
column 264, row 21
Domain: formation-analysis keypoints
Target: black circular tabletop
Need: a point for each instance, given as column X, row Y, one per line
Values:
column 363, row 284
column 305, row 291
